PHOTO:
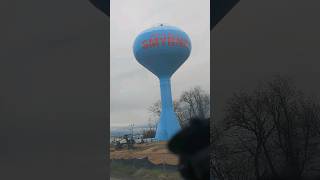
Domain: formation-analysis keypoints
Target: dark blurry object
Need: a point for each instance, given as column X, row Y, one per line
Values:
column 192, row 145
column 103, row 5
column 218, row 9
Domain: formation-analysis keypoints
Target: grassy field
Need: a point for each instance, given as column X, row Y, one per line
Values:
column 125, row 171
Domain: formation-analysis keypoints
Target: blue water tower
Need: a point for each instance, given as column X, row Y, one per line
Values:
column 162, row 50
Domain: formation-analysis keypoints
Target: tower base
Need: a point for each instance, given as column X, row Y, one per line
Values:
column 168, row 126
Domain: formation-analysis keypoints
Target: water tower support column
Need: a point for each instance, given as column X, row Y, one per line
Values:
column 168, row 123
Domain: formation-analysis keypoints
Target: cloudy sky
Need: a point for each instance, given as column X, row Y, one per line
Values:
column 260, row 39
column 133, row 88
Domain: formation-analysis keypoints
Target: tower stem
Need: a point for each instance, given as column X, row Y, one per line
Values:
column 166, row 97
column 168, row 123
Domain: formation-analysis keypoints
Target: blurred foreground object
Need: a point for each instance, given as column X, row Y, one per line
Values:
column 103, row 5
column 192, row 145
column 218, row 9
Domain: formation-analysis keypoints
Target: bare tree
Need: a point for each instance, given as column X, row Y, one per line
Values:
column 295, row 117
column 246, row 115
column 192, row 103
column 150, row 131
column 274, row 130
column 196, row 103
column 155, row 110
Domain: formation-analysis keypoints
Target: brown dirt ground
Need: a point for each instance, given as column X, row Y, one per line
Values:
column 157, row 153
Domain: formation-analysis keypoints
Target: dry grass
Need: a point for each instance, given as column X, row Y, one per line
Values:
column 157, row 153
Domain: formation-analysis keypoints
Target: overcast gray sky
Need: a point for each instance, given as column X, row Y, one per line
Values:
column 133, row 88
column 260, row 39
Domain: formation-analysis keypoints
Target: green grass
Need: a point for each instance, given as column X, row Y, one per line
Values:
column 128, row 172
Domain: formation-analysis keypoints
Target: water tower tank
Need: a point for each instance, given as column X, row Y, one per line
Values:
column 162, row 49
